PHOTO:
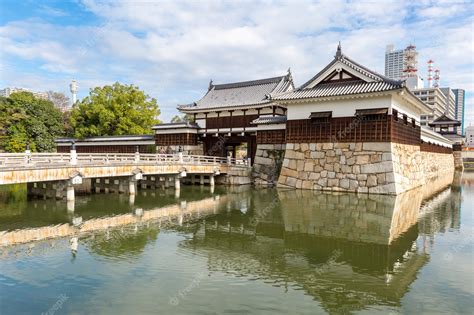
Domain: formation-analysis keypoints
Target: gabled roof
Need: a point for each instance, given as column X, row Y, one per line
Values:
column 444, row 120
column 241, row 94
column 342, row 76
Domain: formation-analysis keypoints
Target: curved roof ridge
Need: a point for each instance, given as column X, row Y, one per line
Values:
column 248, row 83
column 354, row 65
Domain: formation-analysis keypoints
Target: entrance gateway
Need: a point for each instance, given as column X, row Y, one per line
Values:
column 230, row 120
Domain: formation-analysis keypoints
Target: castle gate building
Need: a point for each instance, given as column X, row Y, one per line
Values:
column 230, row 117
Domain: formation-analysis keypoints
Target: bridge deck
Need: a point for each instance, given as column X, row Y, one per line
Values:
column 23, row 168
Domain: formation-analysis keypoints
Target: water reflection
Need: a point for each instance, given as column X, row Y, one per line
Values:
column 346, row 251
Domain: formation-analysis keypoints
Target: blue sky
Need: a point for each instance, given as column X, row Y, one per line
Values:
column 171, row 49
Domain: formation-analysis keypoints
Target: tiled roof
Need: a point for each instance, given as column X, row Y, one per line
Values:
column 264, row 120
column 107, row 138
column 241, row 93
column 445, row 120
column 336, row 89
column 177, row 125
column 379, row 82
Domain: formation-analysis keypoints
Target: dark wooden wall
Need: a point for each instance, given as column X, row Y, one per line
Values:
column 176, row 139
column 230, row 122
column 384, row 128
column 271, row 136
column 108, row 149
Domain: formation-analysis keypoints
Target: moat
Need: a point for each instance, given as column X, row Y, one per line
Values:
column 239, row 250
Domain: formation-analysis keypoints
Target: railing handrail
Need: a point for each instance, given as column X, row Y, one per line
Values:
column 19, row 160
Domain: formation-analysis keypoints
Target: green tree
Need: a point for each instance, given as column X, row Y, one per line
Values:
column 114, row 110
column 27, row 119
column 184, row 118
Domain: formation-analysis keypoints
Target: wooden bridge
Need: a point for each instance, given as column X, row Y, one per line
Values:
column 65, row 170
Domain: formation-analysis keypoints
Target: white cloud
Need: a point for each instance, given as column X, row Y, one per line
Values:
column 172, row 48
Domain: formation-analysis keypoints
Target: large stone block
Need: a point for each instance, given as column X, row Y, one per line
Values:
column 388, row 189
column 344, row 183
column 377, row 146
column 289, row 172
column 323, row 182
column 371, row 181
column 300, row 165
column 328, row 146
column 292, row 164
column 263, row 160
column 307, row 184
column 362, row 159
column 381, row 167
column 291, row 181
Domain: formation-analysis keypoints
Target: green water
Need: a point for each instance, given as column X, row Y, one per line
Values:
column 242, row 251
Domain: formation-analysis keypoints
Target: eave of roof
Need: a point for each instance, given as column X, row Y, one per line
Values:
column 222, row 108
column 106, row 138
column 266, row 120
column 177, row 125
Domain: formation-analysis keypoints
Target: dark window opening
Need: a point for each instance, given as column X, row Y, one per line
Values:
column 320, row 117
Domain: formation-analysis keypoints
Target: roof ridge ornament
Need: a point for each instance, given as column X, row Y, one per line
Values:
column 210, row 85
column 338, row 51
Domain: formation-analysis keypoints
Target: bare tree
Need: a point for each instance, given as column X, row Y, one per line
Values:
column 59, row 100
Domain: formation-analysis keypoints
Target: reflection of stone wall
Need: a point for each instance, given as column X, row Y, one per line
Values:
column 372, row 219
column 267, row 164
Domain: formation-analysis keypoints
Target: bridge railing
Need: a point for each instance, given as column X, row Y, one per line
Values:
column 22, row 160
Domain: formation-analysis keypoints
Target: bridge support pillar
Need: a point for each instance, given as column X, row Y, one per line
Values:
column 201, row 180
column 132, row 186
column 177, row 183
column 167, row 182
column 69, row 192
column 212, row 181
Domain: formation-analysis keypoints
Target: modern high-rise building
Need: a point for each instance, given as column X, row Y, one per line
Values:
column 394, row 60
column 441, row 101
column 6, row 92
column 459, row 100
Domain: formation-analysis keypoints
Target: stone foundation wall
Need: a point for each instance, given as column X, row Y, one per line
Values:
column 356, row 167
column 408, row 169
column 370, row 167
column 458, row 161
column 236, row 175
column 267, row 164
column 437, row 165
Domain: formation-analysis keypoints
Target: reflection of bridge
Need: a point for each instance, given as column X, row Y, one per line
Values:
column 185, row 211
column 64, row 171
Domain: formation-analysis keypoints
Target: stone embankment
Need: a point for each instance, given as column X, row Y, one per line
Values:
column 370, row 167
